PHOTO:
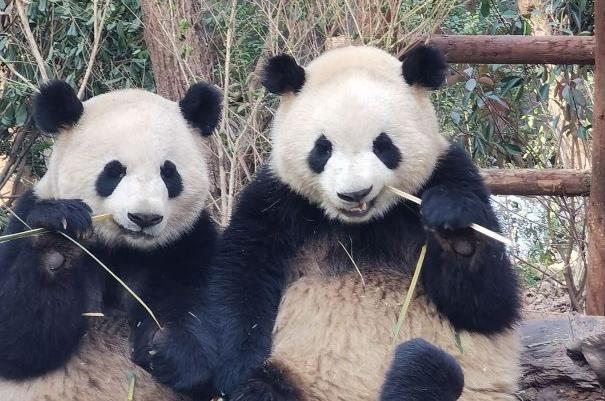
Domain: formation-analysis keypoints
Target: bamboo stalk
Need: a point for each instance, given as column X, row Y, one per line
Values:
column 38, row 231
column 480, row 229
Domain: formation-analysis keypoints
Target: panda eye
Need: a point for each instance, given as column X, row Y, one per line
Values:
column 172, row 179
column 110, row 177
column 168, row 169
column 320, row 154
column 386, row 151
column 114, row 169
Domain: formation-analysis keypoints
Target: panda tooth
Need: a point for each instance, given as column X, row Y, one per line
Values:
column 363, row 207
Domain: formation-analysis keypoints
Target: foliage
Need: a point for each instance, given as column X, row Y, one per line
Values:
column 63, row 31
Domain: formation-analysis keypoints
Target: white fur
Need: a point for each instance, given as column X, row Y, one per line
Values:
column 351, row 95
column 141, row 130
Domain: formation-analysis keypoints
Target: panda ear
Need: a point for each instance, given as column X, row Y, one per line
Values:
column 56, row 106
column 201, row 107
column 282, row 74
column 425, row 66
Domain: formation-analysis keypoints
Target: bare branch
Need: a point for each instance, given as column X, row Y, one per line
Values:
column 20, row 5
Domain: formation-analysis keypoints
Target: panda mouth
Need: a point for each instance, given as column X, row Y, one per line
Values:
column 134, row 234
column 361, row 209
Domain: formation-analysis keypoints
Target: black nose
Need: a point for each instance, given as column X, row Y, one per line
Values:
column 356, row 196
column 145, row 220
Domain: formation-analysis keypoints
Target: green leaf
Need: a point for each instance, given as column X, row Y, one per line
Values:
column 511, row 148
column 20, row 114
column 543, row 92
column 510, row 14
column 582, row 133
column 471, row 84
column 511, row 82
column 455, row 117
column 72, row 31
column 485, row 8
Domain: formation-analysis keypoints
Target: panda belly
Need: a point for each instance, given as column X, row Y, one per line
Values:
column 334, row 337
column 99, row 371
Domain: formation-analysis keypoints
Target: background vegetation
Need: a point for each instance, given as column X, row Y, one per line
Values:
column 505, row 116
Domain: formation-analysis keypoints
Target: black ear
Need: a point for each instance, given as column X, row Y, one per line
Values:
column 201, row 106
column 283, row 75
column 56, row 106
column 425, row 66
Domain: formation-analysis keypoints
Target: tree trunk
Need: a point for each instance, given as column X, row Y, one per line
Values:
column 177, row 49
column 180, row 55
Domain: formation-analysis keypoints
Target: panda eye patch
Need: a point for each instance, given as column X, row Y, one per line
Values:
column 384, row 148
column 172, row 179
column 110, row 177
column 320, row 154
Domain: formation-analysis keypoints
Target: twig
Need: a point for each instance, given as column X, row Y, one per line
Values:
column 485, row 231
column 222, row 176
column 12, row 69
column 38, row 231
column 30, row 38
column 97, row 30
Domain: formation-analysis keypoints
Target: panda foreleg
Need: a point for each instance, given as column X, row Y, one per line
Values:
column 181, row 355
column 42, row 288
column 422, row 372
column 467, row 275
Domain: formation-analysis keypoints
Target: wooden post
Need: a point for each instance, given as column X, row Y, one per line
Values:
column 534, row 182
column 516, row 49
column 595, row 293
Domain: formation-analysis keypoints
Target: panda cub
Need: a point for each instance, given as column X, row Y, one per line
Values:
column 311, row 273
column 140, row 158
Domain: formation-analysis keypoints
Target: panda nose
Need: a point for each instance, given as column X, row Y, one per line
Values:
column 356, row 196
column 145, row 220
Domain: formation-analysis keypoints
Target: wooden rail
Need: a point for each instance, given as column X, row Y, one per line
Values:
column 531, row 182
column 516, row 49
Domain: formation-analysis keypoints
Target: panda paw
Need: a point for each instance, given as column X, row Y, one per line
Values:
column 449, row 214
column 70, row 216
column 177, row 359
column 420, row 371
column 267, row 384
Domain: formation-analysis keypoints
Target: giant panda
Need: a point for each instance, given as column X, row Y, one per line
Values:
column 310, row 275
column 142, row 159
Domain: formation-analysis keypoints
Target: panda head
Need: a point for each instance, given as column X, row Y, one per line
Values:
column 354, row 121
column 131, row 154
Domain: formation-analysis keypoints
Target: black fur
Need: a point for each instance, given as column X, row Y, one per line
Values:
column 422, row 372
column 320, row 154
column 267, row 384
column 56, row 106
column 384, row 148
column 172, row 179
column 201, row 106
column 425, row 66
column 110, row 177
column 272, row 222
column 478, row 292
column 283, row 75
column 41, row 315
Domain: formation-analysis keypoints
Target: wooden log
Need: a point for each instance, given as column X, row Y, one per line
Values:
column 548, row 372
column 516, row 49
column 532, row 182
column 595, row 289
